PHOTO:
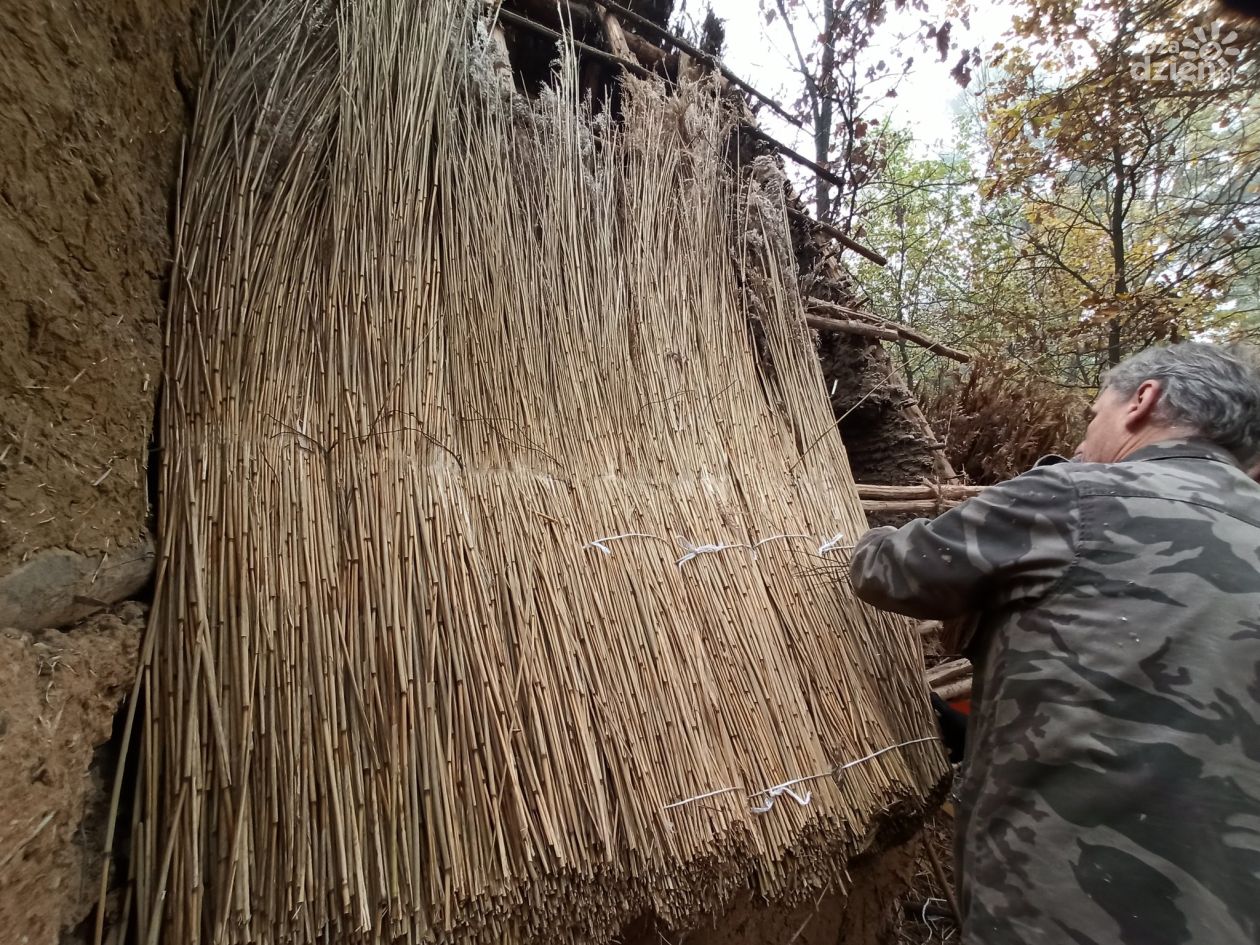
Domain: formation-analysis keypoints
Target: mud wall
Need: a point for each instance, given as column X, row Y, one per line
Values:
column 868, row 396
column 93, row 117
column 93, row 108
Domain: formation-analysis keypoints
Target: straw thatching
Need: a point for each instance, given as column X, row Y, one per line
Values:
column 497, row 477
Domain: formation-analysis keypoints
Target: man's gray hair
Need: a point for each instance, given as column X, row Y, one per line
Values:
column 1213, row 389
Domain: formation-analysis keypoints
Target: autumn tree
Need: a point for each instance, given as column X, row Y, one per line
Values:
column 1128, row 134
column 841, row 85
column 920, row 213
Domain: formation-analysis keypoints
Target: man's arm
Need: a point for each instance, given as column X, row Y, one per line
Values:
column 1010, row 543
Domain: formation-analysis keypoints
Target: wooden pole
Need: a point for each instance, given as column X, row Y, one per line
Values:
column 517, row 20
column 849, row 327
column 957, row 689
column 948, row 493
column 679, row 43
column 946, row 888
column 924, row 507
column 909, row 334
column 948, row 672
column 886, row 331
column 839, row 236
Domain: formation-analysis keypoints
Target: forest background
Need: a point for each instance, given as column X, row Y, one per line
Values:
column 1056, row 186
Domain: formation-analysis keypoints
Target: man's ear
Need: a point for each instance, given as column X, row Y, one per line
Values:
column 1142, row 404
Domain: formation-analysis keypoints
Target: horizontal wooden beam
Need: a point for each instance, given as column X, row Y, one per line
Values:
column 947, row 492
column 850, row 327
column 958, row 689
column 948, row 672
column 925, row 508
column 907, row 334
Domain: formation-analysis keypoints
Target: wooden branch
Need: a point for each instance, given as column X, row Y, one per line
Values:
column 822, row 323
column 949, row 672
column 949, row 493
column 958, row 689
column 824, row 173
column 925, row 508
column 909, row 334
column 839, row 236
column 679, row 43
column 940, row 461
column 941, row 880
column 927, row 500
column 945, row 351
column 517, row 20
column 926, row 908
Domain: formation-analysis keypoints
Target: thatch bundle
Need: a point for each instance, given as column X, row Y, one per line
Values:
column 428, row 345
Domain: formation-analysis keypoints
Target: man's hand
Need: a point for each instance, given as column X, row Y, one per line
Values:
column 1007, row 546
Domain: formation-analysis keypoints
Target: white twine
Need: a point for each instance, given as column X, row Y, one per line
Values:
column 599, row 543
column 694, row 550
column 876, row 754
column 831, row 544
column 754, row 547
column 786, row 788
column 778, row 791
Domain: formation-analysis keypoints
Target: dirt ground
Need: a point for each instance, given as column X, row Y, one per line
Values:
column 93, row 117
column 59, row 693
column 925, row 915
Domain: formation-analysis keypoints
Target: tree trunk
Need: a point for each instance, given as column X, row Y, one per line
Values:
column 823, row 113
column 1114, row 351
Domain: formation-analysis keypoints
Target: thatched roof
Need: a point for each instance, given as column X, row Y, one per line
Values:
column 505, row 517
column 886, row 437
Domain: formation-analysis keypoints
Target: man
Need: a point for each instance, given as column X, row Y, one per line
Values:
column 1112, row 784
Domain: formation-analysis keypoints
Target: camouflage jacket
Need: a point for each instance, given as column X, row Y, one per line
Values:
column 1111, row 791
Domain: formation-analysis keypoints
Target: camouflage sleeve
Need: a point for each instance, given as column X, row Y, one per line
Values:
column 1011, row 543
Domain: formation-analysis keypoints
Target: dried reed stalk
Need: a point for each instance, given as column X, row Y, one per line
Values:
column 426, row 344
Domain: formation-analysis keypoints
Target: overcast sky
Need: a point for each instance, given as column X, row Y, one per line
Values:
column 927, row 98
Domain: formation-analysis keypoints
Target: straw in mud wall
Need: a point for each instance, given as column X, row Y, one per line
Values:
column 427, row 347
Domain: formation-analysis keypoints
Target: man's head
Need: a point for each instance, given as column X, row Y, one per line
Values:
column 1183, row 390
